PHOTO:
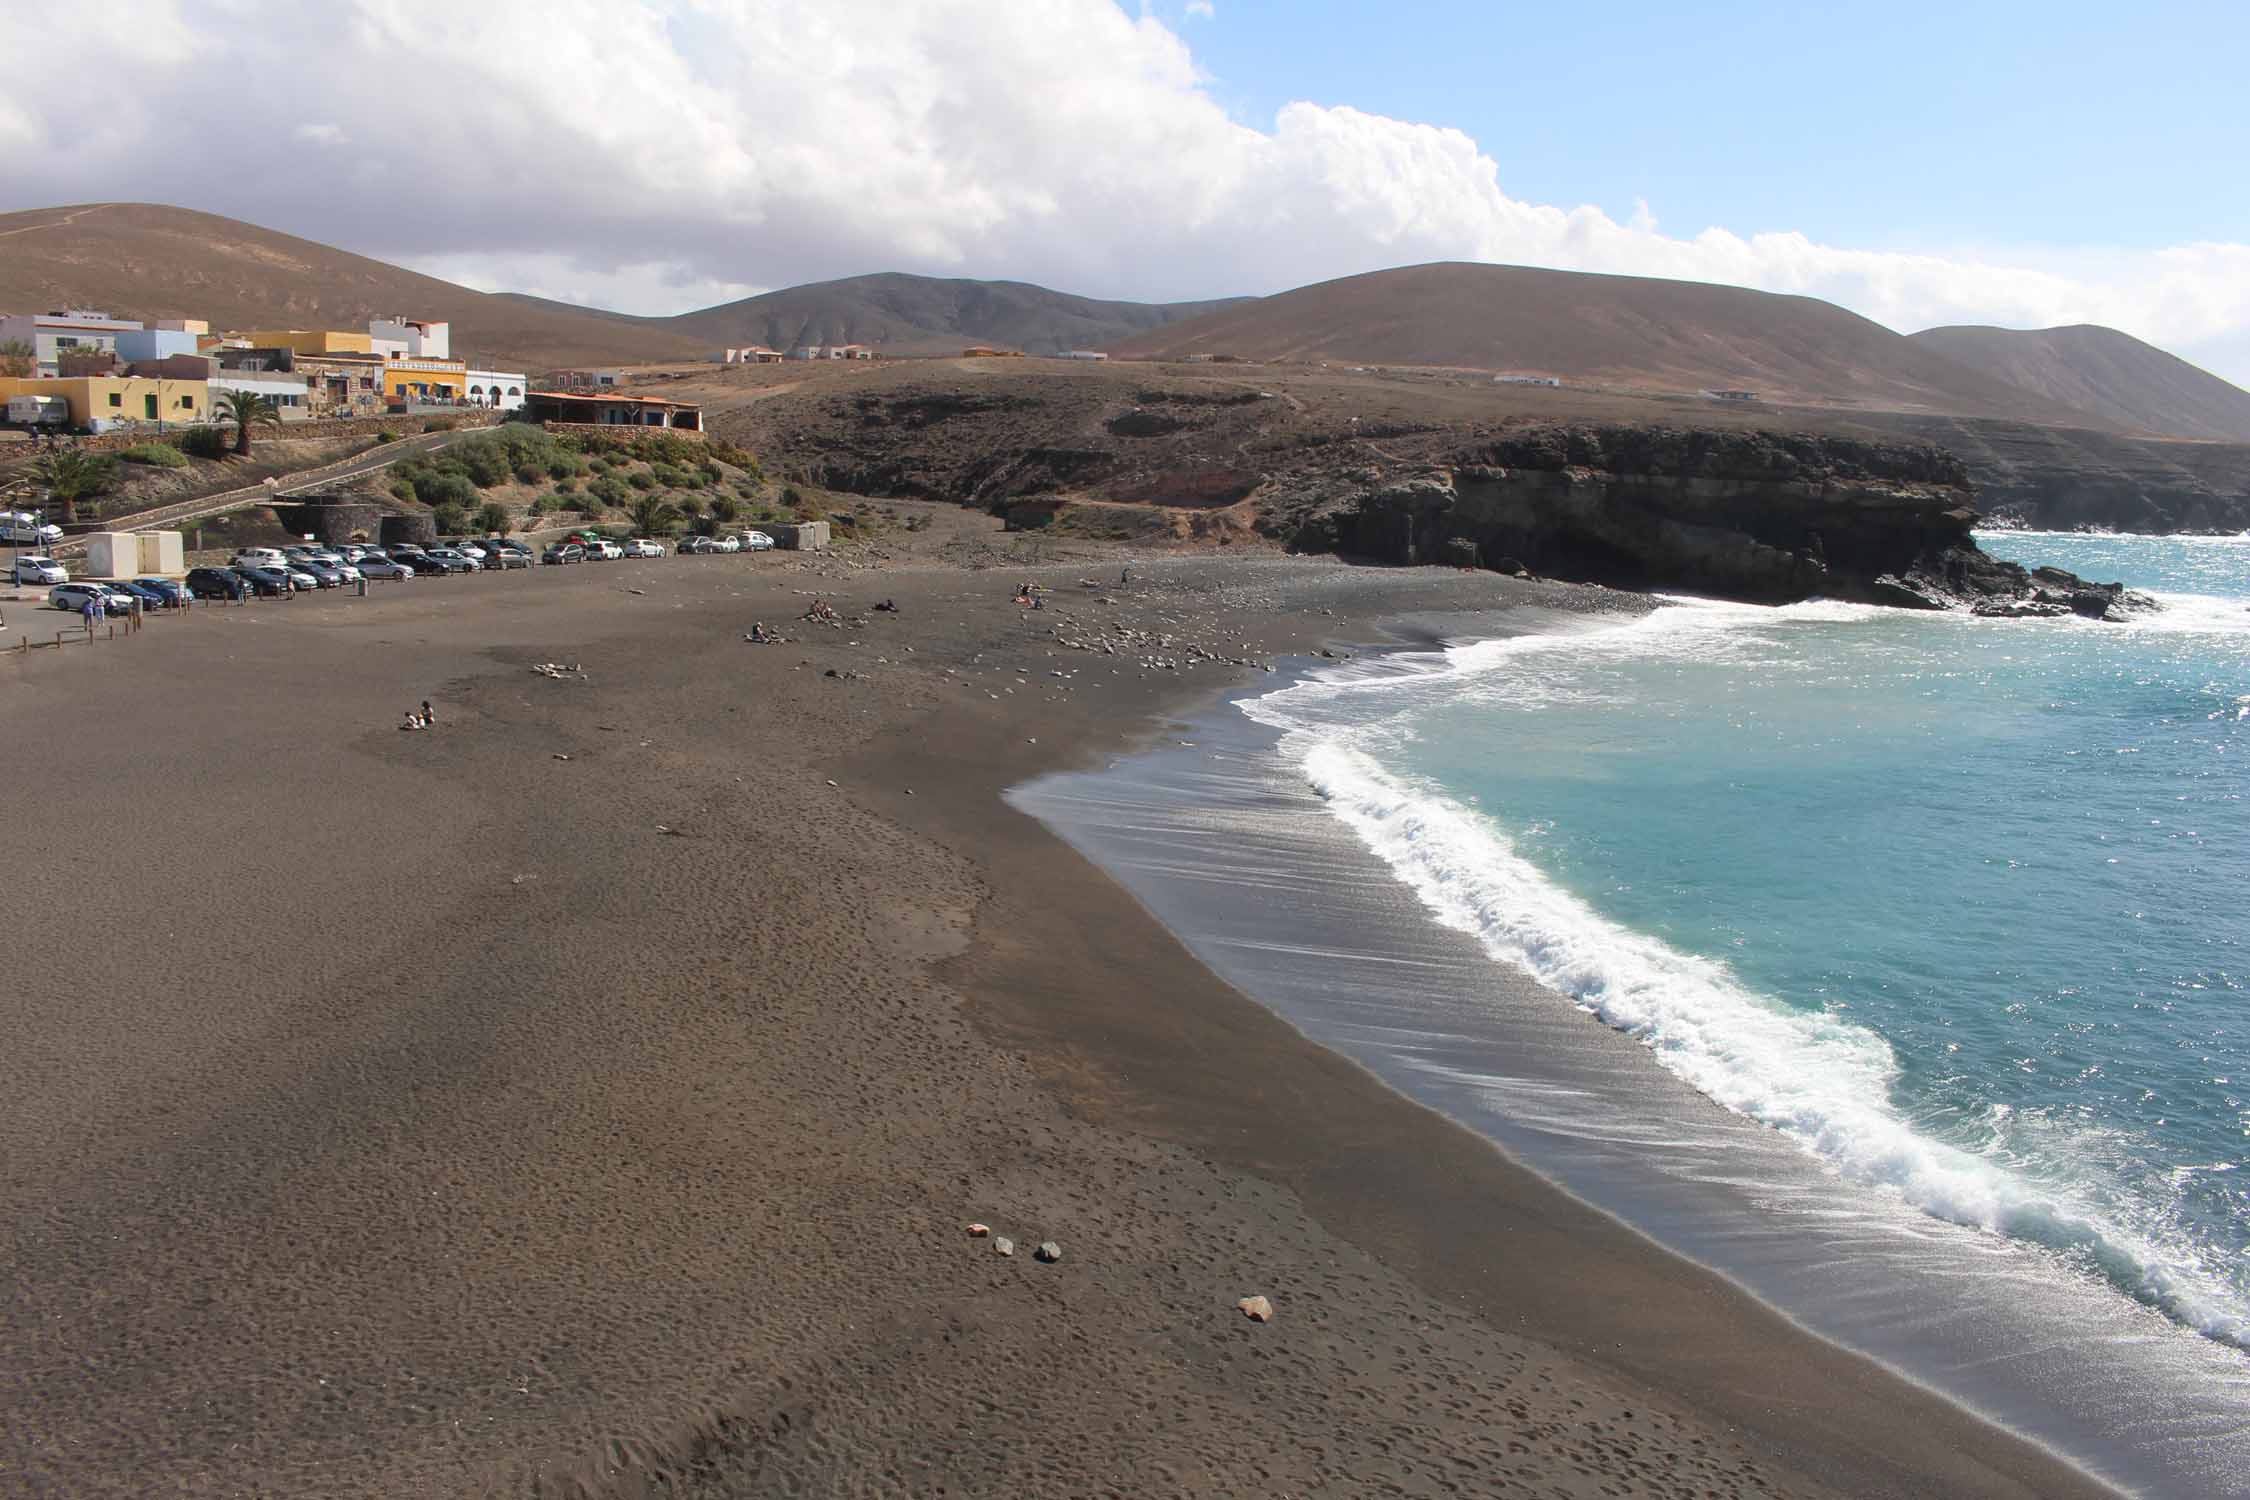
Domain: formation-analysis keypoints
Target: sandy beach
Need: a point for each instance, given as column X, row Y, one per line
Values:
column 588, row 1097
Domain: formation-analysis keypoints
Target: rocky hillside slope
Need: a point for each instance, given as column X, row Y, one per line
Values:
column 900, row 314
column 1607, row 330
column 148, row 260
column 2112, row 376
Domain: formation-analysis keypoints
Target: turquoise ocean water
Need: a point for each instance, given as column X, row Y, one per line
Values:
column 1960, row 908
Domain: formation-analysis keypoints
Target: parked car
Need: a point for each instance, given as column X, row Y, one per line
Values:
column 608, row 550
column 133, row 588
column 641, row 546
column 269, row 582
column 73, row 596
column 726, row 544
column 323, row 575
column 217, row 583
column 473, row 551
column 258, row 557
column 564, row 552
column 23, row 528
column 757, row 541
column 440, row 562
column 173, row 592
column 467, row 563
column 402, row 552
column 372, row 566
column 497, row 559
column 693, row 546
column 40, row 570
column 507, row 544
column 354, row 552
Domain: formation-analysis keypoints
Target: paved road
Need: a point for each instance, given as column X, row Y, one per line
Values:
column 184, row 512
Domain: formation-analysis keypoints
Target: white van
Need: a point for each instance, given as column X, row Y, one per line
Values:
column 258, row 557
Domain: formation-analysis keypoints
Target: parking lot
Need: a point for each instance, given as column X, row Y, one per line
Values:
column 40, row 612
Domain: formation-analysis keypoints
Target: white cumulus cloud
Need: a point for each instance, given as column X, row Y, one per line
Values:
column 650, row 153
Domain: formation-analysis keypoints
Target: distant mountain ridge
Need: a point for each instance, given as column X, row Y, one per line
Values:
column 1616, row 330
column 2128, row 384
column 151, row 260
column 901, row 314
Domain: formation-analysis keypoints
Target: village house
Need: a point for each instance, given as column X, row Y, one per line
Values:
column 49, row 335
column 578, row 410
column 335, row 385
column 99, row 403
column 442, row 382
column 415, row 338
column 502, row 390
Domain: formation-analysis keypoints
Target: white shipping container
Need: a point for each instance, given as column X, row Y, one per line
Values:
column 163, row 552
column 113, row 554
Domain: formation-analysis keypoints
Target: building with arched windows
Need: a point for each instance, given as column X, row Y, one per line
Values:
column 501, row 390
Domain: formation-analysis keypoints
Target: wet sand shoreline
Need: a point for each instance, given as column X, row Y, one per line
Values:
column 479, row 1137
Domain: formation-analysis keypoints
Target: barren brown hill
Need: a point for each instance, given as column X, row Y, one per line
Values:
column 147, row 260
column 901, row 314
column 2112, row 375
column 1607, row 330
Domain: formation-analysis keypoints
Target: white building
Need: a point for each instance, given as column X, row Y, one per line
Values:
column 287, row 392
column 53, row 334
column 418, row 339
column 1083, row 354
column 501, row 390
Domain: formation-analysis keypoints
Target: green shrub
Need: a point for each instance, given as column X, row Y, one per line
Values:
column 724, row 508
column 450, row 519
column 385, row 435
column 600, row 465
column 530, row 474
column 567, row 487
column 443, row 487
column 203, row 442
column 438, row 424
column 155, row 455
column 493, row 519
column 610, row 492
column 643, row 480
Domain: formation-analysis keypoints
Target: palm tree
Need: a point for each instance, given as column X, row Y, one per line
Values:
column 247, row 409
column 653, row 515
column 71, row 475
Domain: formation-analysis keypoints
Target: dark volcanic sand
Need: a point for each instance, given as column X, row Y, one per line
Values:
column 388, row 1114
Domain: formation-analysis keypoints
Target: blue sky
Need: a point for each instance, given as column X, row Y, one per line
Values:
column 1904, row 125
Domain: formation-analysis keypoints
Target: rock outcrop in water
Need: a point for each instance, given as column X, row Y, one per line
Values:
column 1764, row 517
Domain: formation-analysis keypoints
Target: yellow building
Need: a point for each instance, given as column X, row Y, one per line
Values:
column 426, row 380
column 308, row 340
column 120, row 399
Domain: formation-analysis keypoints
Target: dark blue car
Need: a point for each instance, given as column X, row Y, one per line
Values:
column 216, row 583
column 173, row 592
column 150, row 598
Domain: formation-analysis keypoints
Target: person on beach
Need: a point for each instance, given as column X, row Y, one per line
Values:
column 429, row 715
column 93, row 613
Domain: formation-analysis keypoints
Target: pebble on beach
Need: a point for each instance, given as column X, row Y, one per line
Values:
column 1256, row 1309
column 979, row 1231
column 1003, row 1246
column 1048, row 1251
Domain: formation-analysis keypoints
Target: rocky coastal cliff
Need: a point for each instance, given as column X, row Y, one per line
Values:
column 1764, row 517
column 1389, row 472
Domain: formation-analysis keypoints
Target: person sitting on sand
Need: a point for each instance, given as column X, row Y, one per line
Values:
column 413, row 721
column 888, row 607
column 429, row 714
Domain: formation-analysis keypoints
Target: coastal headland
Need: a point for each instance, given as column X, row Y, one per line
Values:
column 589, row 1096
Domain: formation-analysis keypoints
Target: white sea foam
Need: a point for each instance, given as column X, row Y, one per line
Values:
column 1822, row 1081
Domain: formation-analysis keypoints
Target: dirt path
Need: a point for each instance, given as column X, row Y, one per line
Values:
column 70, row 218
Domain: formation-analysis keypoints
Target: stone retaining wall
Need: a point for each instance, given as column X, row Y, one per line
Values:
column 617, row 434
column 315, row 429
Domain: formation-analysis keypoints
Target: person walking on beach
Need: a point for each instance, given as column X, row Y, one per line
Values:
column 93, row 613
